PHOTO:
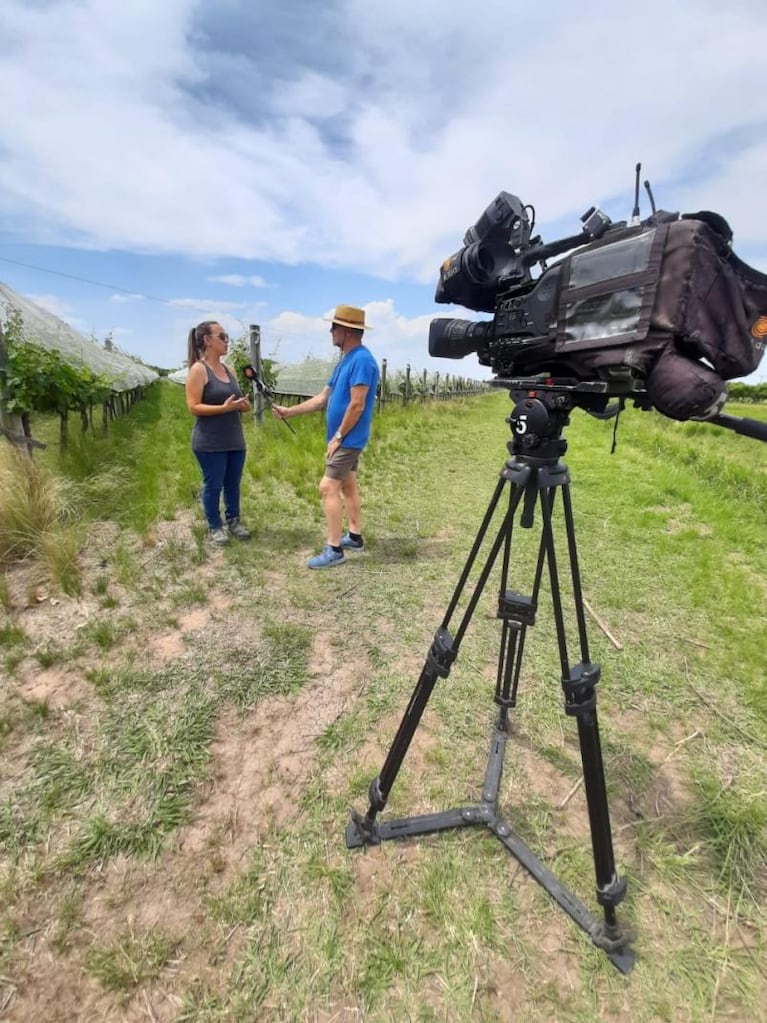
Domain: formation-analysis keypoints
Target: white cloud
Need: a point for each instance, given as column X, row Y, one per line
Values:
column 208, row 131
column 240, row 280
column 53, row 304
column 121, row 133
column 312, row 96
column 401, row 340
column 206, row 304
column 61, row 309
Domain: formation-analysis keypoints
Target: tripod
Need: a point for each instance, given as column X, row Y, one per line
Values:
column 534, row 474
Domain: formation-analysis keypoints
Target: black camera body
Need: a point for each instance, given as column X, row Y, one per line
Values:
column 661, row 305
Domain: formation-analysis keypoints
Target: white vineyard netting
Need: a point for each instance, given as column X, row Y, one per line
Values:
column 45, row 330
column 302, row 379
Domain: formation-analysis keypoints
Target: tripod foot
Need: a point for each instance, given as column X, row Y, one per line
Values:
column 615, row 943
column 610, row 937
column 361, row 831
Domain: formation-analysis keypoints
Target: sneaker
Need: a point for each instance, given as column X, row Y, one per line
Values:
column 218, row 536
column 351, row 545
column 327, row 558
column 237, row 530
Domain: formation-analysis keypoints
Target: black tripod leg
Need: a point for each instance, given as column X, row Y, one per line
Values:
column 364, row 830
column 579, row 684
column 444, row 649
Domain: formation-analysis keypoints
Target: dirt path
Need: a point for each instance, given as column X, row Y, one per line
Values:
column 260, row 763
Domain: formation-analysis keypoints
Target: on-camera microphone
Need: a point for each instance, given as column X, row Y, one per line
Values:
column 649, row 195
column 635, row 211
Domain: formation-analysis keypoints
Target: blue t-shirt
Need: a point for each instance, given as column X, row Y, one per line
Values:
column 356, row 367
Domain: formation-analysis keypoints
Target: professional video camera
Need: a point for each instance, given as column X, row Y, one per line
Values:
column 659, row 309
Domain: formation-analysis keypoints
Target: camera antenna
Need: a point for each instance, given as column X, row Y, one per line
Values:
column 635, row 211
column 649, row 194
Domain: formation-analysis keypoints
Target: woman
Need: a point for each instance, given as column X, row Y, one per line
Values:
column 214, row 399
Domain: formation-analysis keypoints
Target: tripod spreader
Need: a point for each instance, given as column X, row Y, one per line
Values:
column 534, row 476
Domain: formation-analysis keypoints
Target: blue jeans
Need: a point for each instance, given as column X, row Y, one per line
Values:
column 221, row 470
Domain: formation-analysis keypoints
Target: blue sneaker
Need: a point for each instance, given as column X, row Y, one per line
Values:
column 351, row 545
column 327, row 558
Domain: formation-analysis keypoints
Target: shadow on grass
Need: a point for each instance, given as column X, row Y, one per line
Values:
column 285, row 539
column 398, row 550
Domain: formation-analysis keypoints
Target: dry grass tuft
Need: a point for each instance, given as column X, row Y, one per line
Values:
column 34, row 507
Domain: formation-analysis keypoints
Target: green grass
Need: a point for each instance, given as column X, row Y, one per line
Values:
column 175, row 833
column 132, row 960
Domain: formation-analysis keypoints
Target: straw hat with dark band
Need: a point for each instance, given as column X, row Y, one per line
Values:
column 348, row 316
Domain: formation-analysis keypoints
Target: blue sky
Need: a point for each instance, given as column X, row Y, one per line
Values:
column 260, row 163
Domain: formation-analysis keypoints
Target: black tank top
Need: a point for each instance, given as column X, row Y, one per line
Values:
column 218, row 433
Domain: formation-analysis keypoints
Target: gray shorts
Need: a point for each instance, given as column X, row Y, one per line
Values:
column 342, row 463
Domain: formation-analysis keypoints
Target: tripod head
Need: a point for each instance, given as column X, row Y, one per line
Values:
column 537, row 420
column 542, row 405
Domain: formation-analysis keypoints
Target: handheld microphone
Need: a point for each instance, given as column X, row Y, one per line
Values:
column 250, row 373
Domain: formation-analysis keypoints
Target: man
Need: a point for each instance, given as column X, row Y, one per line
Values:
column 349, row 397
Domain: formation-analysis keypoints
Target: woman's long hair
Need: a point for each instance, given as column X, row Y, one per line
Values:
column 196, row 341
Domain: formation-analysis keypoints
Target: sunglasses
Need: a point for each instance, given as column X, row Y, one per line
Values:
column 220, row 334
